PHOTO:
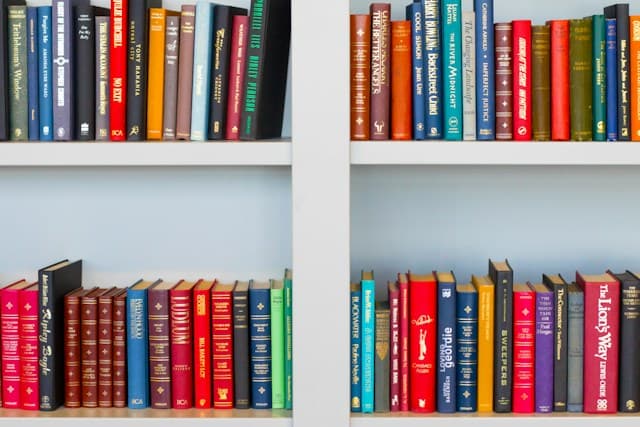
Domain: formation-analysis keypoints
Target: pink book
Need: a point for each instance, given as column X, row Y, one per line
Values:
column 28, row 341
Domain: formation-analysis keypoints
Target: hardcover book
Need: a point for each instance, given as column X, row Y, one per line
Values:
column 277, row 344
column 203, row 40
column 446, row 377
column 382, row 357
column 466, row 348
column 18, row 74
column 89, row 347
column 452, row 54
column 634, row 73
column 394, row 346
column 72, row 351
column 580, row 77
column 171, row 54
column 629, row 391
column 181, row 336
column 486, row 294
column 504, row 80
column 288, row 337
column 185, row 71
column 414, row 14
column 260, row 344
column 4, row 66
column 612, row 79
column 433, row 68
column 222, row 327
column 28, row 350
column 560, row 111
column 237, row 63
column 241, row 368
column 469, row 75
column 45, row 69
column 159, row 345
column 155, row 80
column 620, row 12
column 544, row 341
column 575, row 346
column 401, row 122
column 105, row 348
column 203, row 356
column 522, row 80
column 119, row 349
column 540, row 83
column 560, row 334
column 102, row 78
column 485, row 70
column 403, row 283
column 368, row 286
column 33, row 73
column 380, row 70
column 598, row 78
column 118, row 71
column 524, row 334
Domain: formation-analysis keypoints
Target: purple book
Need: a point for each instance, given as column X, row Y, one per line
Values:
column 544, row 348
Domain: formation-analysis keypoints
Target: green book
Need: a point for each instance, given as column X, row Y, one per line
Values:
column 288, row 336
column 277, row 344
column 599, row 78
column 18, row 97
column 580, row 75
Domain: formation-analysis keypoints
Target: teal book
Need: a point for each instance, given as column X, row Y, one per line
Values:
column 18, row 92
column 202, row 70
column 288, row 337
column 277, row 344
column 368, row 286
column 452, row 68
column 599, row 78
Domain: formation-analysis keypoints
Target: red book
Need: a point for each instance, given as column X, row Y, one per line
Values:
column 524, row 333
column 28, row 330
column 401, row 83
column 89, row 347
column 159, row 345
column 181, row 324
column 503, row 36
column 403, row 282
column 601, row 327
column 422, row 342
column 72, row 370
column 394, row 371
column 560, row 114
column 236, row 76
column 222, row 326
column 522, row 80
column 202, row 343
column 105, row 348
column 119, row 349
column 118, row 70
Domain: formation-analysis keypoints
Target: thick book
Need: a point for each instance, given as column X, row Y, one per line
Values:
column 620, row 12
column 54, row 282
column 601, row 352
column 102, row 78
column 288, row 338
column 503, row 35
column 379, row 124
column 401, row 97
column 612, row 79
column 394, row 346
column 422, row 342
column 171, row 54
column 629, row 390
column 33, row 74
column 466, row 348
column 222, row 353
column 118, row 50
column 540, row 83
column 485, row 70
column 266, row 71
column 89, row 347
column 580, row 77
column 522, row 80
column 4, row 67
column 468, row 75
column 241, row 368
column 155, row 75
column 181, row 336
column 446, row 319
column 381, row 362
column 201, row 70
column 45, row 66
column 237, row 63
column 185, row 71
column 556, row 283
column 203, row 356
column 634, row 76
column 560, row 111
column 575, row 347
column 432, row 68
column 72, row 337
column 486, row 295
column 260, row 344
column 452, row 69
column 28, row 346
column 598, row 77
column 159, row 345
column 414, row 13
column 403, row 283
column 524, row 335
column 277, row 344
column 18, row 74
column 105, row 348
column 544, row 341
column 119, row 349
column 368, row 331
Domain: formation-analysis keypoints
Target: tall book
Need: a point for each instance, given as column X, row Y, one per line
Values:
column 380, row 70
column 241, row 368
column 4, row 67
column 612, row 79
column 169, row 115
column 560, row 334
column 102, row 78
column 394, row 346
column 544, row 340
column 118, row 72
column 432, row 68
column 575, row 346
column 485, row 70
column 368, row 331
column 18, row 74
column 524, row 335
column 266, row 71
column 105, row 348
column 540, row 83
column 119, row 349
column 522, row 80
column 159, row 345
column 137, row 65
column 601, row 352
column 181, row 336
column 203, row 356
column 222, row 354
column 560, row 111
column 201, row 70
column 446, row 319
column 185, row 71
column 288, row 338
column 401, row 97
column 422, row 342
column 54, row 282
column 634, row 72
column 33, row 74
column 155, row 79
column 468, row 75
column 580, row 76
column 238, row 62
column 382, row 357
column 629, row 390
column 414, row 14
column 466, row 348
column 620, row 12
column 28, row 346
column 89, row 347
column 72, row 351
column 503, row 35
column 599, row 76
column 260, row 344
column 452, row 69
column 45, row 66
column 277, row 344
column 486, row 294
column 403, row 283
column 356, row 346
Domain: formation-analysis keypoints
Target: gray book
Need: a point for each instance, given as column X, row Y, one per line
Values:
column 102, row 78
column 576, row 348
column 18, row 96
column 172, row 40
column 381, row 363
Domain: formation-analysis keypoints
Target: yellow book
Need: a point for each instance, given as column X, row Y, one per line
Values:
column 486, row 292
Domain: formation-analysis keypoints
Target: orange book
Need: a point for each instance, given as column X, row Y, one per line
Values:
column 634, row 77
column 401, row 85
column 486, row 292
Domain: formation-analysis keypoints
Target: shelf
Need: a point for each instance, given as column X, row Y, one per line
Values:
column 272, row 153
column 408, row 419
column 494, row 153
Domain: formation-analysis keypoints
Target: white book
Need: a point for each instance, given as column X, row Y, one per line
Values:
column 468, row 76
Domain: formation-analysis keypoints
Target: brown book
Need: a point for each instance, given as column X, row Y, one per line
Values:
column 171, row 77
column 380, row 70
column 360, row 77
column 541, row 82
column 89, row 347
column 119, row 349
column 185, row 72
column 504, row 81
column 105, row 348
column 159, row 349
column 401, row 83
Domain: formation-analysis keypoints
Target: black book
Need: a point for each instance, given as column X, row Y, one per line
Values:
column 4, row 66
column 620, row 12
column 265, row 80
column 54, row 282
column 560, row 332
column 629, row 387
column 241, row 378
column 381, row 359
column 137, row 67
column 501, row 275
column 222, row 30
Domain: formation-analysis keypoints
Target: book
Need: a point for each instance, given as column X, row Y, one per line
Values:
column 432, row 68
column 171, row 54
column 452, row 69
column 381, row 362
column 288, row 338
column 260, row 344
column 379, row 124
column 277, row 344
column 33, row 74
column 89, row 347
column 118, row 67
column 394, row 346
column 485, row 70
column 4, row 66
column 237, row 63
column 598, row 77
column 45, row 65
column 204, row 357
column 368, row 287
column 18, row 74
column 72, row 351
column 105, row 348
column 524, row 335
column 185, row 71
column 119, row 349
column 540, row 83
column 203, row 39
column 159, row 345
column 414, row 12
column 466, row 349
column 612, row 79
column 560, row 355
column 155, row 79
column 560, row 111
column 102, row 78
column 54, row 281
column 28, row 346
column 522, row 80
column 266, row 72
column 468, row 75
column 486, row 296
column 241, row 367
column 181, row 337
column 580, row 77
column 634, row 76
column 544, row 340
column 222, row 327
column 620, row 12
column 403, row 283
column 575, row 346
column 401, row 97
column 446, row 319
column 503, row 36
column 629, row 390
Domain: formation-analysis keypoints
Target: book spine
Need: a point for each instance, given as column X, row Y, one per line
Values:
column 446, row 377
column 9, row 315
column 544, row 352
column 575, row 354
column 46, row 344
column 380, row 70
column 540, row 83
column 18, row 89
column 629, row 396
column 414, row 14
column 201, row 71
column 137, row 350
column 401, row 122
column 118, row 74
column 89, row 350
column 560, row 348
column 170, row 78
column 85, row 65
column 469, row 75
column 241, row 378
column 524, row 333
column 63, row 72
column 105, row 351
column 422, row 312
column 452, row 71
column 28, row 324
column 288, row 329
column 485, row 347
column 222, row 328
column 185, row 72
column 159, row 349
column 467, row 351
column 277, row 348
column 155, row 81
column 120, row 350
column 238, row 62
column 381, row 362
column 260, row 347
column 394, row 344
column 433, row 68
column 368, row 344
column 485, row 70
column 72, row 372
column 102, row 78
column 404, row 346
column 560, row 112
column 503, row 337
column 612, row 79
column 581, row 74
column 45, row 65
column 522, row 80
column 503, row 36
column 634, row 76
column 622, row 34
column 599, row 78
column 32, row 71
column 181, row 325
column 202, row 323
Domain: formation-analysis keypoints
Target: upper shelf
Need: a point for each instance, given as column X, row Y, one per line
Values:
column 494, row 153
column 271, row 153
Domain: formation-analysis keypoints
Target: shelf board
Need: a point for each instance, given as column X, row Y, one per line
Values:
column 271, row 153
column 494, row 153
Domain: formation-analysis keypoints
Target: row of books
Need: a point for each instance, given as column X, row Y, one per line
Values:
column 495, row 346
column 158, row 344
column 138, row 72
column 447, row 74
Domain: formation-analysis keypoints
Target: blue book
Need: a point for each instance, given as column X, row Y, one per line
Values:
column 452, row 70
column 612, row 79
column 446, row 379
column 356, row 343
column 45, row 64
column 32, row 73
column 368, row 322
column 433, row 69
column 467, row 348
column 202, row 70
column 414, row 14
column 260, row 342
column 485, row 71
